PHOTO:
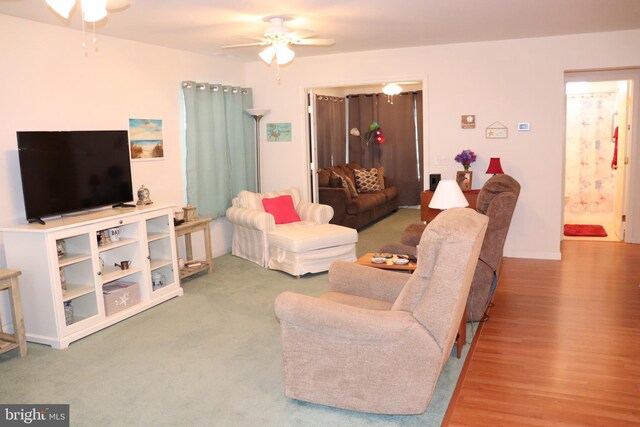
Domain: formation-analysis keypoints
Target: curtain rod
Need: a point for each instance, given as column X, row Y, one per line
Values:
column 214, row 87
column 413, row 92
column 594, row 93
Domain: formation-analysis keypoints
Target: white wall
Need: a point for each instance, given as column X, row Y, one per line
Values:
column 508, row 81
column 49, row 83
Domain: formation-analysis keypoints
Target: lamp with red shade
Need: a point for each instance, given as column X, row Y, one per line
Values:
column 494, row 166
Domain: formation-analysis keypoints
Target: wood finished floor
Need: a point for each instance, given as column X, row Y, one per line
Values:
column 562, row 346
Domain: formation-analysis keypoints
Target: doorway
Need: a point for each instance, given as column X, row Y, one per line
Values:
column 335, row 113
column 598, row 146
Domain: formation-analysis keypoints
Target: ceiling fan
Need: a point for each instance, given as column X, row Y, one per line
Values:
column 277, row 38
column 92, row 10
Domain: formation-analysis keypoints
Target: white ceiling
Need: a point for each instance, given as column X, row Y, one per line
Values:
column 204, row 26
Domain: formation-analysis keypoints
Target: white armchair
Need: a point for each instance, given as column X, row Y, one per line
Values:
column 307, row 246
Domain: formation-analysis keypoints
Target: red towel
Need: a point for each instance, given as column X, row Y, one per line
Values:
column 614, row 162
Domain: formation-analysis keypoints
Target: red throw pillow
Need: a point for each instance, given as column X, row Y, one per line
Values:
column 281, row 208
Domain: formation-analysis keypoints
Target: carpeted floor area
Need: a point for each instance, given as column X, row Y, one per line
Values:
column 209, row 358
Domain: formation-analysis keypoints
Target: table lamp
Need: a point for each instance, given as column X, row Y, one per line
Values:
column 494, row 166
column 448, row 195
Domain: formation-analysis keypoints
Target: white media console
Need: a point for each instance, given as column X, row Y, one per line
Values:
column 145, row 238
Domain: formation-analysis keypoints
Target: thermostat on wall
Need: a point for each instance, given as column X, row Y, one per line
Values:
column 523, row 127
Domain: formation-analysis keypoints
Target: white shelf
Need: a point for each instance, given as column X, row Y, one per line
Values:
column 159, row 263
column 32, row 250
column 75, row 291
column 118, row 244
column 72, row 259
column 111, row 273
column 152, row 237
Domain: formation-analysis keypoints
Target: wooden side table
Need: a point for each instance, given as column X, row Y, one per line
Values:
column 461, row 338
column 8, row 342
column 428, row 214
column 185, row 229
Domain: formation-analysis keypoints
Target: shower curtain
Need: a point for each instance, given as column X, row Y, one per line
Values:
column 590, row 180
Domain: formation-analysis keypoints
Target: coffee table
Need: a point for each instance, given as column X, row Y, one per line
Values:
column 389, row 265
column 365, row 260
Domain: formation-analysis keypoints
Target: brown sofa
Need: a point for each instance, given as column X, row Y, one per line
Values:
column 352, row 208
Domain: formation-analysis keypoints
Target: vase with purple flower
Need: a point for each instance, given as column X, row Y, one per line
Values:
column 466, row 157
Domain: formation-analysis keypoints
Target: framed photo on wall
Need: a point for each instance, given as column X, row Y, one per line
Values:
column 496, row 131
column 279, row 132
column 464, row 179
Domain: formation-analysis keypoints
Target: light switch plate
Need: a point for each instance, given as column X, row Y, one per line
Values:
column 442, row 161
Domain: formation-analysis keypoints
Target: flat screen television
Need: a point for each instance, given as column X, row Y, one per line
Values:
column 72, row 171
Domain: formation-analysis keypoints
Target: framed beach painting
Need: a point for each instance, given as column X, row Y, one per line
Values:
column 145, row 139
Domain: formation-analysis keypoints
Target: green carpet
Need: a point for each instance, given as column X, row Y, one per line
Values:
column 209, row 358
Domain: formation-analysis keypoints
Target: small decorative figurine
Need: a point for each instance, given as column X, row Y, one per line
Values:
column 157, row 280
column 143, row 196
column 61, row 247
column 189, row 212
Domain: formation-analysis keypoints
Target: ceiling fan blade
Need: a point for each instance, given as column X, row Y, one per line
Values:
column 258, row 39
column 245, row 45
column 117, row 5
column 315, row 42
column 301, row 34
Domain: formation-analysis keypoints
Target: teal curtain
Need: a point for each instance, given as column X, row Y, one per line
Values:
column 220, row 145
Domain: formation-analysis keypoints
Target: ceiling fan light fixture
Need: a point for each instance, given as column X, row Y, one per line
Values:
column 391, row 89
column 284, row 54
column 267, row 54
column 62, row 7
column 276, row 26
column 277, row 40
column 93, row 10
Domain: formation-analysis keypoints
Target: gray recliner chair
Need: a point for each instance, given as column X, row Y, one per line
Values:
column 377, row 340
column 497, row 200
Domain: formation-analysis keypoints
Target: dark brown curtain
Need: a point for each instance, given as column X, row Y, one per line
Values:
column 362, row 111
column 401, row 123
column 331, row 130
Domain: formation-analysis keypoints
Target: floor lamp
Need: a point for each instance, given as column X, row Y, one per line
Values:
column 257, row 114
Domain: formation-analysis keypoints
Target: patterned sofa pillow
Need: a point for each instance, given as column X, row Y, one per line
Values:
column 367, row 180
column 345, row 182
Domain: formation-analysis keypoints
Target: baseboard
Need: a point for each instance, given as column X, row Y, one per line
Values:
column 221, row 252
column 534, row 255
